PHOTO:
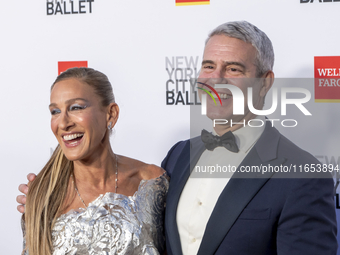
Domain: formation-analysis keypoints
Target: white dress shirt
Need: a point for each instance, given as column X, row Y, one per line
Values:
column 200, row 195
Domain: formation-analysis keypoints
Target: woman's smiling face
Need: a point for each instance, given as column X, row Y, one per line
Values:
column 78, row 119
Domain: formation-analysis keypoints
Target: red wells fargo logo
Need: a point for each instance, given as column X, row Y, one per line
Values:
column 327, row 79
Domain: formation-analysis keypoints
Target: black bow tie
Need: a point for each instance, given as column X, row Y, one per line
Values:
column 212, row 141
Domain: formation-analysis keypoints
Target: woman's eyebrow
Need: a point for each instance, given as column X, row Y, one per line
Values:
column 69, row 101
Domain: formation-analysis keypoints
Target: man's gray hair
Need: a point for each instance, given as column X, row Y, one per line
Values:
column 249, row 33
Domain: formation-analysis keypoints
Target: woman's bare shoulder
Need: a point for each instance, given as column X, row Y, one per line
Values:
column 144, row 170
column 150, row 171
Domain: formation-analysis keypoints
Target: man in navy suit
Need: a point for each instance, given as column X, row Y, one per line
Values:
column 250, row 213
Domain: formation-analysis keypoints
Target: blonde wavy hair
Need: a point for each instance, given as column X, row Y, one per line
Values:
column 47, row 193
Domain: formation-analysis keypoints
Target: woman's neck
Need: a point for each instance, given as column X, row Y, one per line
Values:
column 98, row 172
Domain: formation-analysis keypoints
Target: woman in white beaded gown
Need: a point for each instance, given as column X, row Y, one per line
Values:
column 87, row 199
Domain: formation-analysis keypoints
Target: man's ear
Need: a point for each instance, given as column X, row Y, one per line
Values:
column 267, row 82
column 112, row 114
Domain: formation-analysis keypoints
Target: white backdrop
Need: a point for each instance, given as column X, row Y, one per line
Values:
column 130, row 41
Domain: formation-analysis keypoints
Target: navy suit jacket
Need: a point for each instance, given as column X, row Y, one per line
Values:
column 259, row 216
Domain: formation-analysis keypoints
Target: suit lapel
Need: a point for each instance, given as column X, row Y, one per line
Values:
column 239, row 191
column 186, row 162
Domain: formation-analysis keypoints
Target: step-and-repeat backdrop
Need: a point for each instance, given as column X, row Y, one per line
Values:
column 150, row 50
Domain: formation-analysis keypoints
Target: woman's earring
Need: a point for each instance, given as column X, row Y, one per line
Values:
column 109, row 126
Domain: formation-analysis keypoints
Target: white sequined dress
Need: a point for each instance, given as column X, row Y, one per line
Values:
column 115, row 223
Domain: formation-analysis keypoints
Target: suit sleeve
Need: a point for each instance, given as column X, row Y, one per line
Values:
column 307, row 224
column 170, row 160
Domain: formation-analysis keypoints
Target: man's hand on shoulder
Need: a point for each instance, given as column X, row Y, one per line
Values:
column 23, row 188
